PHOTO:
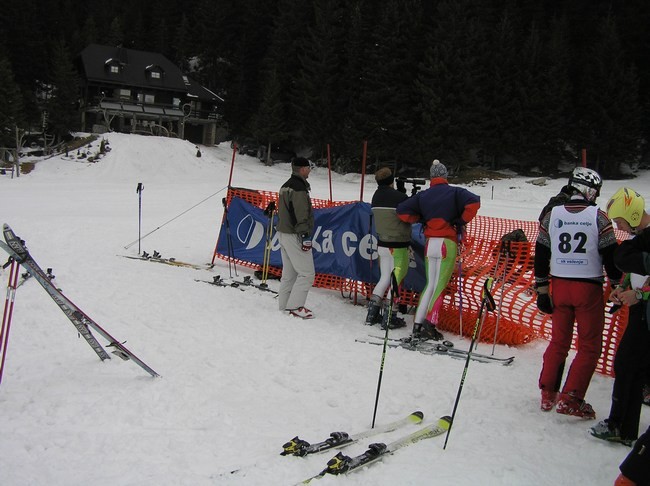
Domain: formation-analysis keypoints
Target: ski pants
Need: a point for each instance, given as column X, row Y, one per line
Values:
column 631, row 365
column 390, row 259
column 298, row 272
column 439, row 260
column 583, row 303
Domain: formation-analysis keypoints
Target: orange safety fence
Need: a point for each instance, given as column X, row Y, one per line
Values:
column 516, row 319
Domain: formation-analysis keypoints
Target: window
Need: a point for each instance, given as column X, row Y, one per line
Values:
column 149, row 99
column 153, row 71
column 124, row 94
column 112, row 66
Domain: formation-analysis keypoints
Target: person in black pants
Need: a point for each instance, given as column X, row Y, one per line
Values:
column 627, row 210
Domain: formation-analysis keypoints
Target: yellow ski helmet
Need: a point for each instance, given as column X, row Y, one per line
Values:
column 628, row 204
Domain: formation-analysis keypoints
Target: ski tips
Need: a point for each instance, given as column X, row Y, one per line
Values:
column 416, row 417
column 445, row 422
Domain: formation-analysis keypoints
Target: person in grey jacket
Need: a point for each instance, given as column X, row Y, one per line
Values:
column 295, row 229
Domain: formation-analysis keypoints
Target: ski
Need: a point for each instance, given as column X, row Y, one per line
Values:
column 429, row 347
column 248, row 282
column 81, row 321
column 241, row 285
column 299, row 447
column 342, row 464
column 157, row 258
column 220, row 282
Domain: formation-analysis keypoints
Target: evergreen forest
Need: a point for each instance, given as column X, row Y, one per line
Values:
column 521, row 83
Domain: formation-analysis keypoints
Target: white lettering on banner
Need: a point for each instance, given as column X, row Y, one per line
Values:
column 348, row 238
column 367, row 247
column 314, row 241
column 328, row 242
column 252, row 233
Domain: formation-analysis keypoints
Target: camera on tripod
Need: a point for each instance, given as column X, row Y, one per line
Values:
column 417, row 184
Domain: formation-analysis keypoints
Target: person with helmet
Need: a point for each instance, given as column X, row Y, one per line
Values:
column 626, row 208
column 575, row 240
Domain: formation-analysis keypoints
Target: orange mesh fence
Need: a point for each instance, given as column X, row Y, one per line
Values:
column 516, row 319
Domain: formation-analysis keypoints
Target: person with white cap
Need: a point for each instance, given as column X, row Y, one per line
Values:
column 626, row 208
column 444, row 211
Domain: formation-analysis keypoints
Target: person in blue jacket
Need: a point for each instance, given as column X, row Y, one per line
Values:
column 444, row 211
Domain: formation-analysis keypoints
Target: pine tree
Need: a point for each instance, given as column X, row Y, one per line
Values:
column 318, row 95
column 115, row 33
column 63, row 107
column 269, row 125
column 609, row 109
column 497, row 106
column 449, row 83
column 11, row 105
column 181, row 47
column 389, row 92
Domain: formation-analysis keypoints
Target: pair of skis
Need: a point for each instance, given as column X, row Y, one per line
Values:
column 430, row 347
column 343, row 464
column 238, row 284
column 81, row 321
column 157, row 258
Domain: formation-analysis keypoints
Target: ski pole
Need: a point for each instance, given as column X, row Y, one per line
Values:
column 504, row 248
column 231, row 253
column 266, row 263
column 486, row 303
column 7, row 313
column 139, row 190
column 393, row 297
column 460, row 284
column 175, row 218
column 494, row 276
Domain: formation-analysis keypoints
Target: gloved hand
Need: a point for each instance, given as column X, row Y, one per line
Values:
column 544, row 302
column 459, row 224
column 642, row 239
column 306, row 242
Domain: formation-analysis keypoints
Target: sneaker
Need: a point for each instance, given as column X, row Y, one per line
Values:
column 549, row 399
column 604, row 430
column 569, row 404
column 301, row 312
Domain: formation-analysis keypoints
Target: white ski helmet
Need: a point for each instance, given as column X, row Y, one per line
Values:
column 587, row 182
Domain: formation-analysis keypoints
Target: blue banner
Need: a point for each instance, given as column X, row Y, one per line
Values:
column 344, row 243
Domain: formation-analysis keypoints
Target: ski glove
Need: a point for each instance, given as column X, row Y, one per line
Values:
column 544, row 302
column 306, row 242
column 459, row 226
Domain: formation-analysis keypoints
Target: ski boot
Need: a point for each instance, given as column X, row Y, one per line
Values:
column 374, row 311
column 395, row 321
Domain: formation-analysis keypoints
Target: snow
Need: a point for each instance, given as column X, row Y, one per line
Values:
column 239, row 378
